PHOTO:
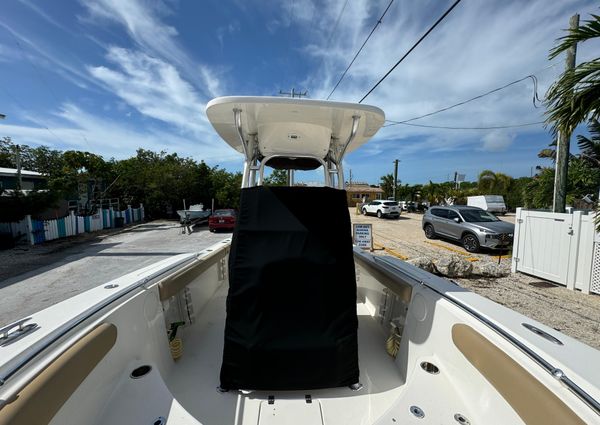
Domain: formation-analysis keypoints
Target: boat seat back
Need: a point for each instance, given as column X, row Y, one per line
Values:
column 531, row 399
column 291, row 307
column 41, row 399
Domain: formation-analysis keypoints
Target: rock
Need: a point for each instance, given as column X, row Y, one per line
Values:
column 491, row 270
column 454, row 266
column 424, row 263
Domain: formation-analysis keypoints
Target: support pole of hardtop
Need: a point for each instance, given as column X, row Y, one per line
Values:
column 340, row 157
column 237, row 118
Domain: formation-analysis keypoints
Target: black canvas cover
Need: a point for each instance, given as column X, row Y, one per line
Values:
column 291, row 308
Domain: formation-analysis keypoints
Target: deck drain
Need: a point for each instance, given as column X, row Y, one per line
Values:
column 461, row 419
column 159, row 421
column 430, row 368
column 417, row 411
column 140, row 371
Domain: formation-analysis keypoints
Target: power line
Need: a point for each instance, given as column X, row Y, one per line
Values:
column 38, row 122
column 440, row 19
column 496, row 127
column 361, row 47
column 46, row 85
column 337, row 21
column 535, row 97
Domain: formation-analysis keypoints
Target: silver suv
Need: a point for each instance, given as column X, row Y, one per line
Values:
column 472, row 226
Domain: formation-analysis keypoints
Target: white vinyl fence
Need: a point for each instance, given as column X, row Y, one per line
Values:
column 562, row 248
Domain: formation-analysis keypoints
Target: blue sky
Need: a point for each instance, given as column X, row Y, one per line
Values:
column 109, row 76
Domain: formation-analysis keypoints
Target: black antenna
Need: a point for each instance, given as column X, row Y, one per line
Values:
column 294, row 93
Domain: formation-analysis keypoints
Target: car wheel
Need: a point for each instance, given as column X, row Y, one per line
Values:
column 470, row 242
column 429, row 231
column 379, row 214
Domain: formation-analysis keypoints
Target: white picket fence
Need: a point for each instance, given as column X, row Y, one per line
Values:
column 562, row 248
column 39, row 231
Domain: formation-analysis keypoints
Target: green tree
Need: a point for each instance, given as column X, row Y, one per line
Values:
column 387, row 185
column 590, row 148
column 491, row 183
column 277, row 178
column 226, row 188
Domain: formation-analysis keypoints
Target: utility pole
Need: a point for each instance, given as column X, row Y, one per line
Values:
column 395, row 177
column 18, row 161
column 350, row 177
column 564, row 138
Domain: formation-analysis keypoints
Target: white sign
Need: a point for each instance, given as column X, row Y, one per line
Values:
column 363, row 235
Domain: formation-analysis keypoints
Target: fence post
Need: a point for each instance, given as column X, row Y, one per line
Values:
column 73, row 222
column 574, row 231
column 515, row 249
column 141, row 212
column 30, row 238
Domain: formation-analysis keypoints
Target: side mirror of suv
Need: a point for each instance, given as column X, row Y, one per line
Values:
column 457, row 219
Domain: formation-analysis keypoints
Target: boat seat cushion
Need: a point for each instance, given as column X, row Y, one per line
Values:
column 291, row 307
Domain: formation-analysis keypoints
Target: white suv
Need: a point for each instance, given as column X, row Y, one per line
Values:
column 382, row 208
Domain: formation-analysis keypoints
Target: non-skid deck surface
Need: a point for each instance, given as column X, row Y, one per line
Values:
column 196, row 377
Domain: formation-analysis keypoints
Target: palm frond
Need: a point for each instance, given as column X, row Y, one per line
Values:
column 547, row 153
column 575, row 97
column 590, row 148
column 590, row 29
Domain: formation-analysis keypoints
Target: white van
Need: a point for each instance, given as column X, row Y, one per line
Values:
column 490, row 203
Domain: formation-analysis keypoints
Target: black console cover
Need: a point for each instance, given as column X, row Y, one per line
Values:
column 291, row 308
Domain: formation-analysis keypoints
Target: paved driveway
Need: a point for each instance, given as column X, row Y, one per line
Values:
column 38, row 277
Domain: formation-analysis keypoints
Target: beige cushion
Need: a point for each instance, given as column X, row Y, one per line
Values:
column 530, row 399
column 38, row 402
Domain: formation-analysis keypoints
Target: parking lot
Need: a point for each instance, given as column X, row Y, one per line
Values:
column 405, row 235
column 571, row 312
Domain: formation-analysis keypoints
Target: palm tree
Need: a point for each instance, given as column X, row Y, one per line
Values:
column 549, row 152
column 575, row 96
column 590, row 148
column 486, row 181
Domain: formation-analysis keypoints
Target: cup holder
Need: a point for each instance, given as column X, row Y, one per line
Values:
column 140, row 372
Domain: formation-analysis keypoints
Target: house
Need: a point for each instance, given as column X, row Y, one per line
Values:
column 357, row 192
column 30, row 180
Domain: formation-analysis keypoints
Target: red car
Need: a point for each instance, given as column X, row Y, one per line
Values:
column 221, row 219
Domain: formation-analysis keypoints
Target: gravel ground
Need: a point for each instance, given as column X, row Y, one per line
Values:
column 570, row 312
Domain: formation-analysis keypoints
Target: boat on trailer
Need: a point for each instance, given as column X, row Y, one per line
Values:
column 287, row 322
column 195, row 213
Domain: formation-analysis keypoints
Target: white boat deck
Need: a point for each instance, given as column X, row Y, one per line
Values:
column 196, row 377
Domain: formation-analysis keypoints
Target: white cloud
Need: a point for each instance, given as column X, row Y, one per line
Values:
column 155, row 89
column 497, row 141
column 46, row 57
column 479, row 46
column 143, row 22
column 75, row 128
column 230, row 29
